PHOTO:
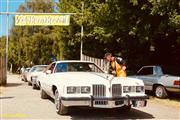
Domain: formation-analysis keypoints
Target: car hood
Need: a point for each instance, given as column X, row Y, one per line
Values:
column 36, row 73
column 84, row 76
column 96, row 78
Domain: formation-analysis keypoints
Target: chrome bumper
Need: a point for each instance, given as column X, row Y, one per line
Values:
column 173, row 89
column 105, row 102
column 34, row 81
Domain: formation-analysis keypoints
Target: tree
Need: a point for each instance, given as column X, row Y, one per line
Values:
column 139, row 30
column 33, row 44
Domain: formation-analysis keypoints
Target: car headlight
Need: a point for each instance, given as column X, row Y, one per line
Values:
column 85, row 89
column 139, row 88
column 126, row 89
column 34, row 77
column 78, row 89
column 71, row 89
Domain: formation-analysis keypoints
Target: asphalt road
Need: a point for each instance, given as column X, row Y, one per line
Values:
column 19, row 101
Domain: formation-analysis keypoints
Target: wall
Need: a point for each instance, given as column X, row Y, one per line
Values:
column 102, row 63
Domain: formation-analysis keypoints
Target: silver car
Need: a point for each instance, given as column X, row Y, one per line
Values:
column 24, row 74
column 157, row 80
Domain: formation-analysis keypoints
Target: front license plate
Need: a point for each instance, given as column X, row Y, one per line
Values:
column 140, row 103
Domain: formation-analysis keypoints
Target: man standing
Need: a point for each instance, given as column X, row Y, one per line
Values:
column 117, row 65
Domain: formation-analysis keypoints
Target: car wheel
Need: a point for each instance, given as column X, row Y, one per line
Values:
column 60, row 108
column 34, row 86
column 160, row 92
column 43, row 94
column 37, row 87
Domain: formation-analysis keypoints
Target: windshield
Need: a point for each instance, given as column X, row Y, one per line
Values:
column 38, row 68
column 77, row 67
column 27, row 69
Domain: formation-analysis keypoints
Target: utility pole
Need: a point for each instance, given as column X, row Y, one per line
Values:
column 7, row 36
column 82, row 33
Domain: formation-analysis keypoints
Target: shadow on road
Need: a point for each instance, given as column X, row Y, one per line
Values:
column 6, row 97
column 13, row 84
column 86, row 114
column 109, row 114
column 173, row 96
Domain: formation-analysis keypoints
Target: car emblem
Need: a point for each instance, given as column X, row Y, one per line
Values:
column 137, row 83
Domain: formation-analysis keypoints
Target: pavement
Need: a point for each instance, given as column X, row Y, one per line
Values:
column 19, row 101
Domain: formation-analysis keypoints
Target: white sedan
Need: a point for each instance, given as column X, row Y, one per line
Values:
column 84, row 84
column 33, row 73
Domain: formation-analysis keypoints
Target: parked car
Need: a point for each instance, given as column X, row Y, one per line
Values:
column 24, row 74
column 34, row 72
column 79, row 83
column 157, row 79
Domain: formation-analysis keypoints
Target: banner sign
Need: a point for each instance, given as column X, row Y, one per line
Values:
column 42, row 20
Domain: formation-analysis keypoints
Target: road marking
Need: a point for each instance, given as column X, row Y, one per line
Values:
column 16, row 115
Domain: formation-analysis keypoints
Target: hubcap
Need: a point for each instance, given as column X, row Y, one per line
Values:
column 159, row 91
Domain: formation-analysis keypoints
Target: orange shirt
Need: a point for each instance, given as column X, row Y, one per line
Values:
column 118, row 68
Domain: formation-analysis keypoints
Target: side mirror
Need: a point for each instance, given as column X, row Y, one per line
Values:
column 48, row 72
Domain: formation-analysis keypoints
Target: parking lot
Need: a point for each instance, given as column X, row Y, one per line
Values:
column 20, row 101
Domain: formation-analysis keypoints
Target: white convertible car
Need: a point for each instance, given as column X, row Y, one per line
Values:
column 84, row 84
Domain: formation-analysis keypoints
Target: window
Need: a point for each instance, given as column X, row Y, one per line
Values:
column 146, row 71
column 61, row 67
column 51, row 67
column 77, row 67
column 38, row 68
column 158, row 70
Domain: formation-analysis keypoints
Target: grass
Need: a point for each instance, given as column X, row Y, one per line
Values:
column 173, row 100
column 167, row 102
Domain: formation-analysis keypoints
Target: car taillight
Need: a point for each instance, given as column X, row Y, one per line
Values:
column 177, row 82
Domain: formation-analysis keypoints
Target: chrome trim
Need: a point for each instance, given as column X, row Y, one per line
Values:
column 116, row 90
column 99, row 90
column 173, row 89
column 103, row 102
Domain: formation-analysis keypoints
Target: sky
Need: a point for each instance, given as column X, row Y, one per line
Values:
column 13, row 7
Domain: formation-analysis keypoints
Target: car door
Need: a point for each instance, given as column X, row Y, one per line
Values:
column 48, row 81
column 147, row 75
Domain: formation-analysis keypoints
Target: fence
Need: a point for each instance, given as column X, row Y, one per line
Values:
column 102, row 63
column 3, row 70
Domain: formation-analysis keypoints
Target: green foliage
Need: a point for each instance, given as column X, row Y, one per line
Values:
column 35, row 44
column 129, row 28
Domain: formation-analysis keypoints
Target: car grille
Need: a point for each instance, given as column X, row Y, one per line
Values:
column 116, row 90
column 100, row 102
column 99, row 90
